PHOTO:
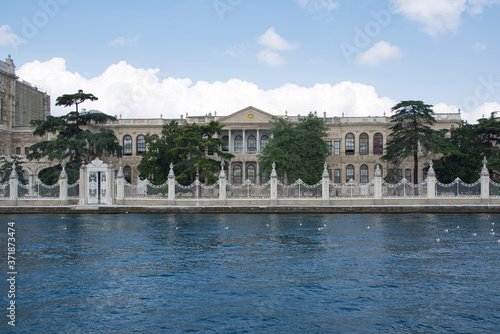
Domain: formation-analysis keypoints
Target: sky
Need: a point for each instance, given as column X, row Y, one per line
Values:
column 151, row 59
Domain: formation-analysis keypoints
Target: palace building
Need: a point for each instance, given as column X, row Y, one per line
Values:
column 355, row 143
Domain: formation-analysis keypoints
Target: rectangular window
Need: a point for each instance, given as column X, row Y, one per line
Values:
column 18, row 150
column 336, row 148
column 408, row 174
column 26, row 150
column 336, row 176
column 399, row 174
column 329, row 145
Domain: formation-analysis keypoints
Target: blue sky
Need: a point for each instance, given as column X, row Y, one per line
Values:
column 147, row 58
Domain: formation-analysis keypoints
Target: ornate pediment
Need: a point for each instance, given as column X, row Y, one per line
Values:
column 97, row 163
column 248, row 115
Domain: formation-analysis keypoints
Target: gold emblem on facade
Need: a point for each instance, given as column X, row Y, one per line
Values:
column 250, row 116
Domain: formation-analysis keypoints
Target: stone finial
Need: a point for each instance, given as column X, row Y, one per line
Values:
column 63, row 174
column 13, row 174
column 325, row 170
column 273, row 172
column 378, row 171
column 431, row 171
column 171, row 172
column 484, row 171
column 222, row 172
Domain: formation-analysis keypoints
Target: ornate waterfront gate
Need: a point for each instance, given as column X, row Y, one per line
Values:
column 99, row 184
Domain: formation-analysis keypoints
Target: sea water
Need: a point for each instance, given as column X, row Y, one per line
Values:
column 254, row 273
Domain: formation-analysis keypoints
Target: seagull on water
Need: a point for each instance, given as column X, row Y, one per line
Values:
column 446, row 230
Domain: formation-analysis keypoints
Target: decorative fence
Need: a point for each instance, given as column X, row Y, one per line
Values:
column 352, row 189
column 273, row 190
column 248, row 190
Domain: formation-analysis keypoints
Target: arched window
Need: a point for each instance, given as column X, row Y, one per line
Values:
column 363, row 144
column 127, row 173
column 251, row 173
column 141, row 144
column 349, row 144
column 238, row 143
column 225, row 147
column 263, row 142
column 349, row 173
column 378, row 143
column 237, row 174
column 363, row 174
column 127, row 145
column 251, row 143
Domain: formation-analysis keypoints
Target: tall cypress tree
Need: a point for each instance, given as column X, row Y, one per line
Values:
column 412, row 134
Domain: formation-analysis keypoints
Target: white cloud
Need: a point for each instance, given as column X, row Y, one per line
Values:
column 123, row 41
column 140, row 93
column 379, row 53
column 318, row 5
column 270, row 57
column 8, row 36
column 479, row 46
column 439, row 16
column 273, row 41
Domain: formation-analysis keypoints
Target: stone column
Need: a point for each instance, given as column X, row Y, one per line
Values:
column 31, row 181
column 63, row 185
column 83, row 185
column 244, row 142
column 244, row 172
column 229, row 141
column 120, row 185
column 258, row 141
column 222, row 184
column 431, row 182
column 13, row 185
column 274, row 186
column 485, row 181
column 377, row 183
column 110, row 184
column 325, row 186
column 171, row 185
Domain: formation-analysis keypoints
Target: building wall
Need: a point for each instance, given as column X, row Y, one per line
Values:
column 31, row 104
column 246, row 157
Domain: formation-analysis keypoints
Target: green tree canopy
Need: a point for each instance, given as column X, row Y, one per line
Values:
column 298, row 151
column 74, row 143
column 191, row 148
column 6, row 168
column 472, row 142
column 412, row 134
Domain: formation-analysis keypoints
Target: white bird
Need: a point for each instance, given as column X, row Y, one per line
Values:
column 492, row 233
column 368, row 227
column 267, row 224
column 226, row 228
column 474, row 234
column 492, row 223
column 64, row 228
column 300, row 224
column 437, row 239
column 176, row 227
column 458, row 226
column 446, row 230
